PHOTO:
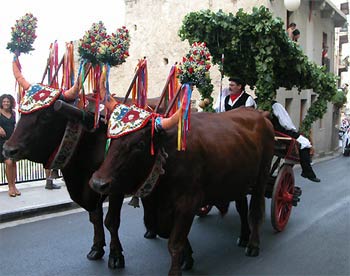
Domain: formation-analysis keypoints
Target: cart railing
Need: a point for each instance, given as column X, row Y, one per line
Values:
column 286, row 147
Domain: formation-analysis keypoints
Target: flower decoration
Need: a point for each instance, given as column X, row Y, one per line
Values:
column 195, row 65
column 114, row 49
column 23, row 34
column 90, row 42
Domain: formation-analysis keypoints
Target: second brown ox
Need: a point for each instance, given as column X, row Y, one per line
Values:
column 228, row 155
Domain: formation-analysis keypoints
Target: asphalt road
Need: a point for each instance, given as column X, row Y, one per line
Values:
column 315, row 242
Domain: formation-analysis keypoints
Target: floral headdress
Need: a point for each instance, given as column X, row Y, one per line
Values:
column 23, row 35
column 113, row 50
column 89, row 44
column 195, row 65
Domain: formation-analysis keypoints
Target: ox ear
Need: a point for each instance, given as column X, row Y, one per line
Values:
column 19, row 77
column 168, row 123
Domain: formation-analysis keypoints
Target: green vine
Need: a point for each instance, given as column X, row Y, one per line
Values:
column 206, row 89
column 257, row 48
column 339, row 99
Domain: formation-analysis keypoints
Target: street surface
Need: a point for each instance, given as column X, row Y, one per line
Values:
column 316, row 240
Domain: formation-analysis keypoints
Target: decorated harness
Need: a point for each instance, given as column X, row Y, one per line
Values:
column 40, row 96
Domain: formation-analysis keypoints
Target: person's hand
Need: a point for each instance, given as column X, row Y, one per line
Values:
column 312, row 151
column 2, row 132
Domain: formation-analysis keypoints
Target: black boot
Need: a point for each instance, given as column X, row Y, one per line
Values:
column 305, row 162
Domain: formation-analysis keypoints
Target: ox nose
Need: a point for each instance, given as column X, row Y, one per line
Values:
column 100, row 186
column 9, row 152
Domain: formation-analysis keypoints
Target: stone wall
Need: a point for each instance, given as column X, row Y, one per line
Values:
column 153, row 26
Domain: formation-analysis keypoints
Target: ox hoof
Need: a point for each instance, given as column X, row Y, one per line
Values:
column 175, row 273
column 150, row 234
column 187, row 263
column 252, row 251
column 116, row 262
column 241, row 242
column 95, row 254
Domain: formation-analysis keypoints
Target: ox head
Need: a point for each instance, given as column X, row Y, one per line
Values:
column 129, row 160
column 37, row 133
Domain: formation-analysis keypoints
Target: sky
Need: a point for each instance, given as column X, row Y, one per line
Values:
column 63, row 20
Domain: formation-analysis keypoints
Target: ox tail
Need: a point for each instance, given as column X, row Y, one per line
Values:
column 19, row 77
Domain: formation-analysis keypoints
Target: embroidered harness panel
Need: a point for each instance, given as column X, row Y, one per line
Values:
column 126, row 119
column 37, row 97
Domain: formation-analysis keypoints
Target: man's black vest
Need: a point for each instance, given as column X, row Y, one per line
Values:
column 240, row 101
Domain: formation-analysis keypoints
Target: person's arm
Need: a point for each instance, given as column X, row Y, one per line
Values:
column 283, row 117
column 250, row 102
column 217, row 104
column 2, row 132
column 223, row 94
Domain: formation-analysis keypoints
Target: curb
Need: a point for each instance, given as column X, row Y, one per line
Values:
column 37, row 211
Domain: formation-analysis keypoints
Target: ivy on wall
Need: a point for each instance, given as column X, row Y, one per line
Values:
column 339, row 99
column 257, row 49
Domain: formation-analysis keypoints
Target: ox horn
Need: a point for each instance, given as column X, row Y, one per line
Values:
column 19, row 77
column 168, row 123
column 72, row 93
column 110, row 102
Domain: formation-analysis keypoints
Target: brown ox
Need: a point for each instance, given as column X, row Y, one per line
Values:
column 37, row 136
column 228, row 155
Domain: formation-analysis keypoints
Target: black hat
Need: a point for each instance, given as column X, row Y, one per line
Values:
column 238, row 81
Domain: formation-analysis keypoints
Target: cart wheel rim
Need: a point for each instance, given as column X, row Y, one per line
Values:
column 282, row 197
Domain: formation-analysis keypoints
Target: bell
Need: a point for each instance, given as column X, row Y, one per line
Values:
column 201, row 104
column 134, row 202
column 206, row 101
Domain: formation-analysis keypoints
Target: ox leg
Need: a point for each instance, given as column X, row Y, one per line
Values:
column 187, row 259
column 112, row 222
column 96, row 218
column 256, row 216
column 178, row 245
column 149, row 217
column 242, row 209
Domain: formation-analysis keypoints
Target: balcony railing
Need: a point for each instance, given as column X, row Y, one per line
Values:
column 26, row 171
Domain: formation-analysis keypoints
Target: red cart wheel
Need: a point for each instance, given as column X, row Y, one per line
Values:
column 282, row 198
column 203, row 211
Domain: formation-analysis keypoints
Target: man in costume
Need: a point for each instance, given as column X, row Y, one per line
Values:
column 234, row 96
column 283, row 123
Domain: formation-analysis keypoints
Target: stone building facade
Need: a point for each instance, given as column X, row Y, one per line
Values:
column 154, row 24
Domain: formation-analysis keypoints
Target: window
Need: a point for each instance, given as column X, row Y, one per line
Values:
column 325, row 56
column 303, row 110
column 320, row 121
column 288, row 104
